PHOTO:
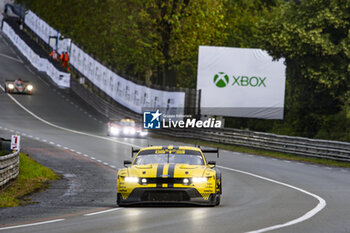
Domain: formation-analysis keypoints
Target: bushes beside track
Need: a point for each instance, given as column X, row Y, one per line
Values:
column 2, row 153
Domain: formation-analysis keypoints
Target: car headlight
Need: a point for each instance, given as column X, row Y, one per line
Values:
column 186, row 181
column 143, row 133
column 30, row 87
column 10, row 86
column 144, row 181
column 129, row 131
column 199, row 179
column 131, row 179
column 114, row 130
column 132, row 131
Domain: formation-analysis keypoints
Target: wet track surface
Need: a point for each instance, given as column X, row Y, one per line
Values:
column 88, row 161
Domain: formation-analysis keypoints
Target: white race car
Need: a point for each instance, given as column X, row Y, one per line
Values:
column 18, row 86
column 125, row 128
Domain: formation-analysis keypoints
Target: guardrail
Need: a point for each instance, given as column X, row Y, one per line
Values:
column 334, row 150
column 9, row 168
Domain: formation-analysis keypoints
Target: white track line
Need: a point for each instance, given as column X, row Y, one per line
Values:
column 309, row 214
column 31, row 224
column 102, row 212
column 321, row 202
column 11, row 58
column 66, row 129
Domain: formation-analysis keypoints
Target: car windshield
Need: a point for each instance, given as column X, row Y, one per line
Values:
column 190, row 157
column 19, row 83
column 127, row 123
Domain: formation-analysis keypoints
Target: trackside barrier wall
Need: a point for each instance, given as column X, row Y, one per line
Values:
column 9, row 168
column 62, row 79
column 127, row 93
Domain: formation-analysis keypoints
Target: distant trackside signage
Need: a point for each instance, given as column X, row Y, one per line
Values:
column 240, row 82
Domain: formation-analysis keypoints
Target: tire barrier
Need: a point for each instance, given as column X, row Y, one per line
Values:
column 9, row 165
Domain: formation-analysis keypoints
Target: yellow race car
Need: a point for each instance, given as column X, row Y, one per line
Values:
column 169, row 174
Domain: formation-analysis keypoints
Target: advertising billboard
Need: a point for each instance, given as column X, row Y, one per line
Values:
column 240, row 82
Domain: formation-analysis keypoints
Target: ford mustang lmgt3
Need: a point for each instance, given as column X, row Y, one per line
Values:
column 18, row 86
column 126, row 128
column 169, row 175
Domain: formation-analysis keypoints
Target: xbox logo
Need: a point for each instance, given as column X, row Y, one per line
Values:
column 221, row 79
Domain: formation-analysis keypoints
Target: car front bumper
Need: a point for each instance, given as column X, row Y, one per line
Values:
column 167, row 196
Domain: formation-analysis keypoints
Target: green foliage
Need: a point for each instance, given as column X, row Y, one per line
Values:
column 147, row 39
column 32, row 176
column 162, row 37
column 2, row 153
column 242, row 18
column 315, row 36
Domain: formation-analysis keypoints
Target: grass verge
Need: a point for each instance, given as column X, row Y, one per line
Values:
column 2, row 153
column 32, row 177
column 248, row 150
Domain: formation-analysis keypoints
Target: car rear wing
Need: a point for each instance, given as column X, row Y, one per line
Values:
column 12, row 81
column 134, row 151
column 213, row 151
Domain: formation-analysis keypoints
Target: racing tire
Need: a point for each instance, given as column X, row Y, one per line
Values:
column 119, row 200
column 219, row 180
column 218, row 198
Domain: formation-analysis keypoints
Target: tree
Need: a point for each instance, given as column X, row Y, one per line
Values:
column 165, row 35
column 242, row 18
column 313, row 36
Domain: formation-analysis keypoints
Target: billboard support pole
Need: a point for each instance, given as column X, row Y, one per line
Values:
column 199, row 103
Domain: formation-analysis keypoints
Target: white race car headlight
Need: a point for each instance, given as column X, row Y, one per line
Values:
column 125, row 131
column 199, row 179
column 143, row 133
column 129, row 131
column 114, row 130
column 10, row 86
column 132, row 131
column 30, row 87
column 131, row 179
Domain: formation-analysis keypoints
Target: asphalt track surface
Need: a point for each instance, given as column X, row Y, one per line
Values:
column 259, row 194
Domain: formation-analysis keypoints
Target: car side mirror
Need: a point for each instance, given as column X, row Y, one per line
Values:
column 212, row 163
column 127, row 163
